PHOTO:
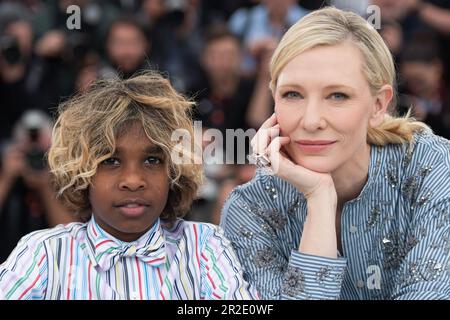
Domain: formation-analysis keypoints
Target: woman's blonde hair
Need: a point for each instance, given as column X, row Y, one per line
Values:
column 330, row 26
column 88, row 125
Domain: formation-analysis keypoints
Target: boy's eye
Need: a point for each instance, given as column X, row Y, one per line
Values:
column 153, row 160
column 115, row 161
column 110, row 161
column 338, row 96
column 291, row 95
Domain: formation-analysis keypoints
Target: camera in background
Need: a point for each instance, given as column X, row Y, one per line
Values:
column 32, row 130
column 9, row 49
column 35, row 155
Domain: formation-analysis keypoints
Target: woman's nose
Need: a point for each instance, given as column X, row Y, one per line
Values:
column 313, row 118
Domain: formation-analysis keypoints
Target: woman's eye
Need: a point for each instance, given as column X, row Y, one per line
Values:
column 153, row 160
column 291, row 95
column 110, row 161
column 338, row 96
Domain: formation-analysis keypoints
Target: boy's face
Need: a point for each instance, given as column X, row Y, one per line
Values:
column 130, row 189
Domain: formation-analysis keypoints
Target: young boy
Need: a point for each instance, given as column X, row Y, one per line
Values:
column 110, row 158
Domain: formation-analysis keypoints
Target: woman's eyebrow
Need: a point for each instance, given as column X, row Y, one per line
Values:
column 328, row 87
column 290, row 85
column 339, row 86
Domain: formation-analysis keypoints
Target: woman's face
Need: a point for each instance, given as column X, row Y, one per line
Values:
column 324, row 104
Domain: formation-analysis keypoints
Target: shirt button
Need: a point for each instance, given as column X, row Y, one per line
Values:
column 360, row 284
column 353, row 229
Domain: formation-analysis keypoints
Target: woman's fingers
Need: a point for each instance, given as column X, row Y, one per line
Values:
column 277, row 159
column 268, row 131
column 305, row 180
column 270, row 145
column 270, row 122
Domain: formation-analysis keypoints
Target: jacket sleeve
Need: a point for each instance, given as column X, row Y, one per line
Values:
column 424, row 272
column 275, row 275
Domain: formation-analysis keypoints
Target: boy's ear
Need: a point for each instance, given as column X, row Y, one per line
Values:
column 382, row 100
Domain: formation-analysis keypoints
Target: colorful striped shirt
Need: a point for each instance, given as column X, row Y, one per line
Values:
column 81, row 261
column 395, row 235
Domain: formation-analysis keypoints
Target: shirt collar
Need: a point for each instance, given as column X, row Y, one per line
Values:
column 105, row 250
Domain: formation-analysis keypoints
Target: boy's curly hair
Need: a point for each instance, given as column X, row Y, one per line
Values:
column 88, row 124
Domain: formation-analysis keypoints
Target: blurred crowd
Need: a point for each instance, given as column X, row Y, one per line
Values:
column 216, row 52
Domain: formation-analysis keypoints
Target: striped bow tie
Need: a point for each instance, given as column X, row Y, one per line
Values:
column 108, row 253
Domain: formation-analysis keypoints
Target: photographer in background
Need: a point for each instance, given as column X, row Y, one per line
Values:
column 27, row 200
column 422, row 75
column 17, row 87
column 127, row 46
column 176, row 35
column 54, row 36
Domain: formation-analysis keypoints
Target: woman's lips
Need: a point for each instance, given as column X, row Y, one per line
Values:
column 314, row 146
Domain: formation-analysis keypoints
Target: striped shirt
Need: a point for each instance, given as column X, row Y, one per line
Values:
column 395, row 235
column 82, row 261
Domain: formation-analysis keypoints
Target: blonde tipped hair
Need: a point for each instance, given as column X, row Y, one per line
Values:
column 330, row 26
column 88, row 125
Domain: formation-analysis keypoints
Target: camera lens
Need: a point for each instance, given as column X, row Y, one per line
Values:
column 35, row 158
column 9, row 49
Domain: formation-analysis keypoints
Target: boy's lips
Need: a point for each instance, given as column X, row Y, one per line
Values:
column 131, row 202
column 132, row 207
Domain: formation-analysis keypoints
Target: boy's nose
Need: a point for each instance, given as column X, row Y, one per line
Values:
column 132, row 180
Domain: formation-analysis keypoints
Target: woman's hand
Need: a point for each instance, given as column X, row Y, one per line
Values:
column 319, row 231
column 267, row 141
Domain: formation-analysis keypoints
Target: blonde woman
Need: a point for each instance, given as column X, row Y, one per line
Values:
column 111, row 162
column 351, row 202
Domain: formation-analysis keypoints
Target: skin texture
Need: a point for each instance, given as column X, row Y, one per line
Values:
column 137, row 170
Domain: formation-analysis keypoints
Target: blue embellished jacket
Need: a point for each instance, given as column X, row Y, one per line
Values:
column 395, row 235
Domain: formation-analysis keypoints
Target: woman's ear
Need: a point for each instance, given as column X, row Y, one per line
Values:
column 382, row 100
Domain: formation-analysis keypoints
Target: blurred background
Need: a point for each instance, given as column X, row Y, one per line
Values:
column 215, row 51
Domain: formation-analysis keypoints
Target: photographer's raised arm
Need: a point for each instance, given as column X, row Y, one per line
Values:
column 12, row 167
column 5, row 187
column 55, row 211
